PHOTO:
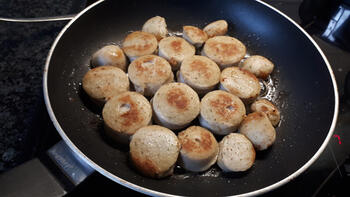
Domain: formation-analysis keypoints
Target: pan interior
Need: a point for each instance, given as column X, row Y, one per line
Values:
column 304, row 91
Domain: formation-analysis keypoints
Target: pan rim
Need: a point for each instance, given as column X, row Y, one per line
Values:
column 147, row 191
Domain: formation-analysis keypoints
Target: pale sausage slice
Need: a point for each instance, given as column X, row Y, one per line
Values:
column 236, row 153
column 226, row 51
column 104, row 82
column 148, row 73
column 154, row 151
column 175, row 50
column 194, row 35
column 268, row 108
column 175, row 105
column 260, row 66
column 221, row 112
column 241, row 83
column 199, row 149
column 124, row 114
column 156, row 26
column 216, row 28
column 259, row 130
column 110, row 55
column 139, row 43
column 200, row 73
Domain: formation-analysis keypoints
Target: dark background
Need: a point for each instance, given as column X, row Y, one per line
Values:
column 26, row 130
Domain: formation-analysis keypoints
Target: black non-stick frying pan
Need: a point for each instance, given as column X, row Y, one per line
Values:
column 305, row 91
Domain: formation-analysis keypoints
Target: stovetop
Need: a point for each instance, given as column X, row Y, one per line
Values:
column 27, row 132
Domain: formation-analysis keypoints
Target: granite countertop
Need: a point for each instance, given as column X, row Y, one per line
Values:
column 23, row 51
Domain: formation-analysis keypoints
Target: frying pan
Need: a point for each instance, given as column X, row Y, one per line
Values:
column 305, row 91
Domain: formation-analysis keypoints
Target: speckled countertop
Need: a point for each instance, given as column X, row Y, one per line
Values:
column 23, row 51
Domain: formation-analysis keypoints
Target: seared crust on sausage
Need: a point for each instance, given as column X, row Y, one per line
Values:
column 175, row 105
column 221, row 112
column 148, row 73
column 104, row 82
column 139, row 43
column 200, row 73
column 175, row 50
column 194, row 35
column 199, row 149
column 226, row 51
column 124, row 114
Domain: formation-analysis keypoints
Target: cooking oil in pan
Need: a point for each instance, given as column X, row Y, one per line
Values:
column 175, row 33
column 181, row 174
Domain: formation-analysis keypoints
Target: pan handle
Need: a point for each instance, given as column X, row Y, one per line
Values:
column 38, row 177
